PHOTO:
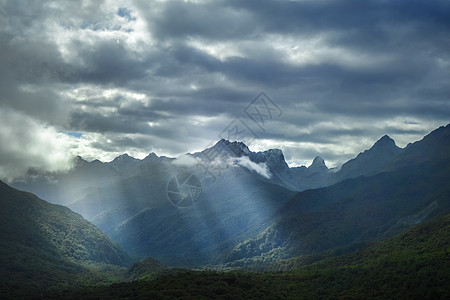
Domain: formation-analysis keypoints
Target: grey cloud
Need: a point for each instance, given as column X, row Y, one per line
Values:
column 212, row 20
column 96, row 122
column 375, row 62
column 26, row 143
column 110, row 62
column 119, row 144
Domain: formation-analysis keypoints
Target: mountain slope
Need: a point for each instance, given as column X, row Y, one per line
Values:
column 435, row 145
column 133, row 207
column 359, row 209
column 411, row 265
column 239, row 193
column 231, row 208
column 43, row 244
column 370, row 161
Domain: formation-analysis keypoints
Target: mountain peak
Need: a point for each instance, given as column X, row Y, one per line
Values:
column 275, row 152
column 238, row 148
column 151, row 156
column 227, row 143
column 96, row 162
column 272, row 157
column 372, row 160
column 78, row 160
column 318, row 163
column 384, row 142
column 435, row 145
column 123, row 157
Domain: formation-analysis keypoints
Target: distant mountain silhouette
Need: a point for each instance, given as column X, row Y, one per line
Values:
column 370, row 161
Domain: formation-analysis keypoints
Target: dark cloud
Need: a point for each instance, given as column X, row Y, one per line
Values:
column 110, row 62
column 170, row 76
column 212, row 20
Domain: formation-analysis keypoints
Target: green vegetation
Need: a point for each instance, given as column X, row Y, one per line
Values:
column 45, row 246
column 412, row 265
column 344, row 233
column 146, row 268
column 355, row 211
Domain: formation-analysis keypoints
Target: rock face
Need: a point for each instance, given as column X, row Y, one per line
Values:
column 223, row 149
column 318, row 165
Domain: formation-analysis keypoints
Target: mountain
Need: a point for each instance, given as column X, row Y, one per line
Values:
column 318, row 165
column 144, row 268
column 62, row 188
column 189, row 211
column 227, row 153
column 133, row 204
column 294, row 179
column 125, row 165
column 433, row 146
column 72, row 188
column 223, row 148
column 370, row 161
column 360, row 209
column 317, row 175
column 129, row 199
column 230, row 209
column 412, row 265
column 44, row 245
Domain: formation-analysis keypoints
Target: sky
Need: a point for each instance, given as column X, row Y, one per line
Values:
column 310, row 77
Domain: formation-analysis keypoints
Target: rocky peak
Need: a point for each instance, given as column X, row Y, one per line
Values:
column 274, row 156
column 123, row 158
column 151, row 156
column 274, row 159
column 79, row 161
column 372, row 160
column 318, row 163
column 230, row 148
column 385, row 142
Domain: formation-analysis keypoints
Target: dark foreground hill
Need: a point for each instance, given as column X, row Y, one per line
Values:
column 45, row 245
column 412, row 265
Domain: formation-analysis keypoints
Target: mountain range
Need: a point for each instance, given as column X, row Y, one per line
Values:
column 408, row 188
column 229, row 208
column 229, row 205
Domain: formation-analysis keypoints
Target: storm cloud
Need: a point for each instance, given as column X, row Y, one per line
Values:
column 102, row 78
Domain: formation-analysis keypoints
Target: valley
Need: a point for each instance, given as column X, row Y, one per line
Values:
column 384, row 214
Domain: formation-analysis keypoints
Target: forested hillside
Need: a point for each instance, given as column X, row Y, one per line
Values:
column 46, row 246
